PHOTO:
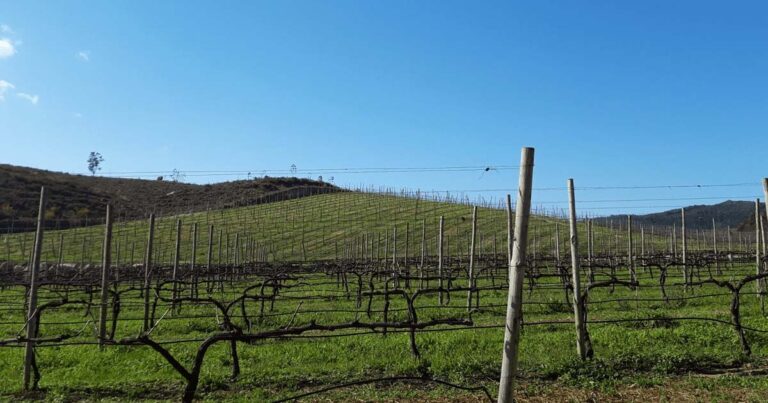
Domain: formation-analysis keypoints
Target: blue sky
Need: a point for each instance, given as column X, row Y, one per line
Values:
column 611, row 93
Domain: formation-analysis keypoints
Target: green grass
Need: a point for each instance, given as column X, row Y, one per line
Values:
column 651, row 353
column 646, row 353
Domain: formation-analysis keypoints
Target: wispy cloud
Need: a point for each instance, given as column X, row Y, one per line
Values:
column 29, row 97
column 78, row 115
column 6, row 29
column 84, row 55
column 5, row 86
column 7, row 48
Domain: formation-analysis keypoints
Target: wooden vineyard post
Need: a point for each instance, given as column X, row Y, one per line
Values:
column 686, row 275
column 394, row 249
column 219, row 265
column 105, row 263
column 61, row 251
column 516, row 274
column 762, row 240
column 148, row 270
column 631, row 250
column 236, row 256
column 760, row 283
column 423, row 251
column 105, row 269
column 590, row 250
column 765, row 191
column 32, row 320
column 209, row 255
column 440, row 262
column 193, row 259
column 510, row 230
column 407, row 269
column 557, row 244
column 471, row 273
column 730, row 244
column 395, row 268
column 714, row 248
column 176, row 264
column 583, row 344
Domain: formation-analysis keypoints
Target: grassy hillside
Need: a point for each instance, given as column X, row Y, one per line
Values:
column 309, row 228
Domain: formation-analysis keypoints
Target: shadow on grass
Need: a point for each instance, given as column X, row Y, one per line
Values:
column 117, row 392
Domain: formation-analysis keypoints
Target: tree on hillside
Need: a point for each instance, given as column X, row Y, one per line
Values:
column 94, row 162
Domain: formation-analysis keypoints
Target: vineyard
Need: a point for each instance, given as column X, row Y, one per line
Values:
column 373, row 295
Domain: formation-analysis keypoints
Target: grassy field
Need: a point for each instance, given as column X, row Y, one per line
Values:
column 652, row 355
column 643, row 354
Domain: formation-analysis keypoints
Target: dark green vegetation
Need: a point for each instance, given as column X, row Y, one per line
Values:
column 642, row 340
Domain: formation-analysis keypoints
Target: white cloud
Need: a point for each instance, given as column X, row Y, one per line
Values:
column 84, row 55
column 7, row 49
column 6, row 29
column 5, row 86
column 29, row 97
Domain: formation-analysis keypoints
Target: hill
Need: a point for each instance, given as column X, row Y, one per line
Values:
column 75, row 199
column 734, row 214
column 318, row 227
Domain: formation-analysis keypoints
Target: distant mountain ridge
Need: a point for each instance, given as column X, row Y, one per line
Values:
column 739, row 215
column 73, row 199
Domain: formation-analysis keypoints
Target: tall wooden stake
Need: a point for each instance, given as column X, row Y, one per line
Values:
column 686, row 275
column 583, row 343
column 440, row 262
column 105, row 269
column 209, row 255
column 714, row 247
column 176, row 264
column 516, row 275
column 193, row 261
column 32, row 319
column 472, row 259
column 423, row 251
column 760, row 283
column 631, row 250
column 765, row 190
column 148, row 270
column 590, row 249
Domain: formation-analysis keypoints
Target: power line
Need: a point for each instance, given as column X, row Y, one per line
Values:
column 510, row 190
column 480, row 168
column 648, row 200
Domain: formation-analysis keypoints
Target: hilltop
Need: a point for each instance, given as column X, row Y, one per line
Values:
column 739, row 215
column 74, row 199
